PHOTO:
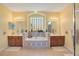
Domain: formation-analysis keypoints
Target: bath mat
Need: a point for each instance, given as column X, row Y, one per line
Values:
column 13, row 49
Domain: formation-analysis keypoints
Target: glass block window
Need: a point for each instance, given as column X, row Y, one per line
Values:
column 37, row 23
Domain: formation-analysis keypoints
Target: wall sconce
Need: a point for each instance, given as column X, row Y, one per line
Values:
column 10, row 19
column 53, row 17
column 19, row 18
column 49, row 22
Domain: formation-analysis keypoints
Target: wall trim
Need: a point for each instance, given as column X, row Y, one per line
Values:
column 1, row 49
column 71, row 50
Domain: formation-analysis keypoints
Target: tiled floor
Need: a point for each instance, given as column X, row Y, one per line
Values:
column 55, row 51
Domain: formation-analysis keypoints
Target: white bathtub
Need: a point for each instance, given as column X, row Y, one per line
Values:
column 36, row 42
column 37, row 39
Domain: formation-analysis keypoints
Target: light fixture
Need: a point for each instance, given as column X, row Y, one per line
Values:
column 53, row 17
column 19, row 18
column 10, row 18
column 49, row 22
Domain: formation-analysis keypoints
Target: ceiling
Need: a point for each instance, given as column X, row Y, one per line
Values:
column 25, row 7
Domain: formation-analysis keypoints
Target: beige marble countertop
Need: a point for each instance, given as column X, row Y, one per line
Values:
column 56, row 34
column 15, row 35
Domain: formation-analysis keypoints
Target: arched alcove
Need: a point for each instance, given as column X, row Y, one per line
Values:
column 36, row 21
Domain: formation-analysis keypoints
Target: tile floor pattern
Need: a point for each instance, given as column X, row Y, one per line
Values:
column 55, row 51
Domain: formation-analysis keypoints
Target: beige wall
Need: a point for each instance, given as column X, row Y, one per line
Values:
column 48, row 15
column 67, row 25
column 6, row 16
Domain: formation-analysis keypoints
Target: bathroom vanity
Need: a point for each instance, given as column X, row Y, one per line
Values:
column 36, row 42
column 15, row 41
column 57, row 40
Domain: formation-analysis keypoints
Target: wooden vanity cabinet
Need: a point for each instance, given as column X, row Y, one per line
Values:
column 57, row 41
column 15, row 41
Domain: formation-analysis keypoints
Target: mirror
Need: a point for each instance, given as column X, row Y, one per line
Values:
column 20, row 27
column 51, row 26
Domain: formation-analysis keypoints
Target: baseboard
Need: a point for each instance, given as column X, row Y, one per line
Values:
column 1, row 49
column 71, row 50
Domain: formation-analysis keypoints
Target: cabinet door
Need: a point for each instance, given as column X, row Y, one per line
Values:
column 11, row 41
column 57, row 41
column 61, row 41
column 18, row 41
column 53, row 41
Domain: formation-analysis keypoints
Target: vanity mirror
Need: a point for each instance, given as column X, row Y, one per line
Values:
column 51, row 26
column 20, row 26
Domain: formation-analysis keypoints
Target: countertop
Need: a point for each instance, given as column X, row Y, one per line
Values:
column 56, row 35
column 15, row 35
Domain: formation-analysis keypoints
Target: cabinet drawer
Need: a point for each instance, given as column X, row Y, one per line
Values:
column 10, row 37
column 11, row 42
column 20, row 37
